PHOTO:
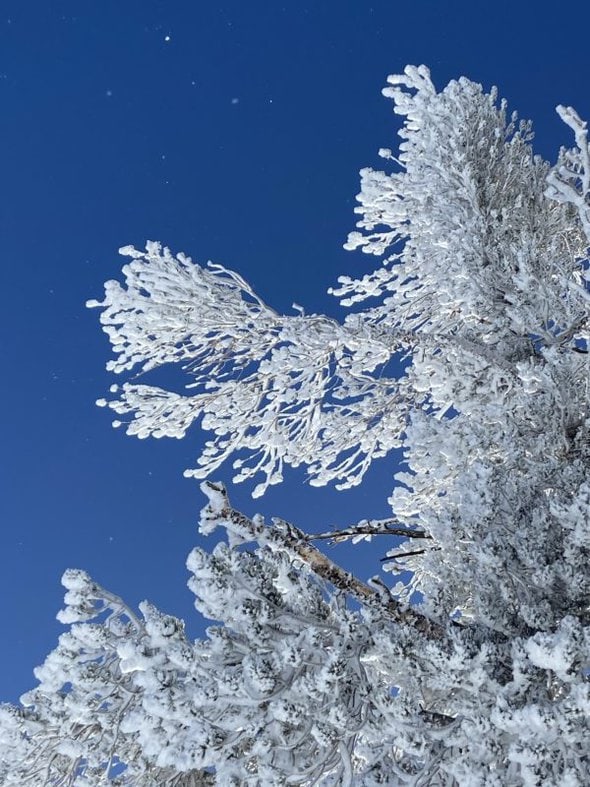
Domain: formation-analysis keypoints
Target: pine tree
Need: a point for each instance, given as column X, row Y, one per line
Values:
column 468, row 347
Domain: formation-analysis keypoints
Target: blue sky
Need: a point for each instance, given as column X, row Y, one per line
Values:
column 232, row 131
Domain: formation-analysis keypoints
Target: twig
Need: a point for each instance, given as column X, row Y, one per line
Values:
column 371, row 528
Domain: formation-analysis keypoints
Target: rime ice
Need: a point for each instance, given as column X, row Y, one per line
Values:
column 482, row 291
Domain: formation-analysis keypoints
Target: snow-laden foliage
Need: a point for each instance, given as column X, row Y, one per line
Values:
column 469, row 347
column 286, row 390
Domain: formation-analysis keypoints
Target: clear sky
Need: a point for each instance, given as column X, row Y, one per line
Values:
column 232, row 131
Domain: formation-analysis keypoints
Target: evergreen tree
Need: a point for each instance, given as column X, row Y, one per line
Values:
column 468, row 346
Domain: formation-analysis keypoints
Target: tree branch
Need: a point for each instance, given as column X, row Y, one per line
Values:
column 288, row 538
column 371, row 527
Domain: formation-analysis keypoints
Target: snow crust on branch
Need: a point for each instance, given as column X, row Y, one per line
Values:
column 294, row 688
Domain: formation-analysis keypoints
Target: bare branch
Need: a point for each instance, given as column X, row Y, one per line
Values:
column 287, row 537
column 371, row 527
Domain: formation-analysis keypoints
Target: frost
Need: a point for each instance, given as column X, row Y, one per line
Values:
column 468, row 348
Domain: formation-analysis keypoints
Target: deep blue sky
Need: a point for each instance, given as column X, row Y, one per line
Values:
column 232, row 131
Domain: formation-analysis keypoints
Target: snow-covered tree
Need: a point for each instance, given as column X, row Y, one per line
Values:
column 468, row 347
